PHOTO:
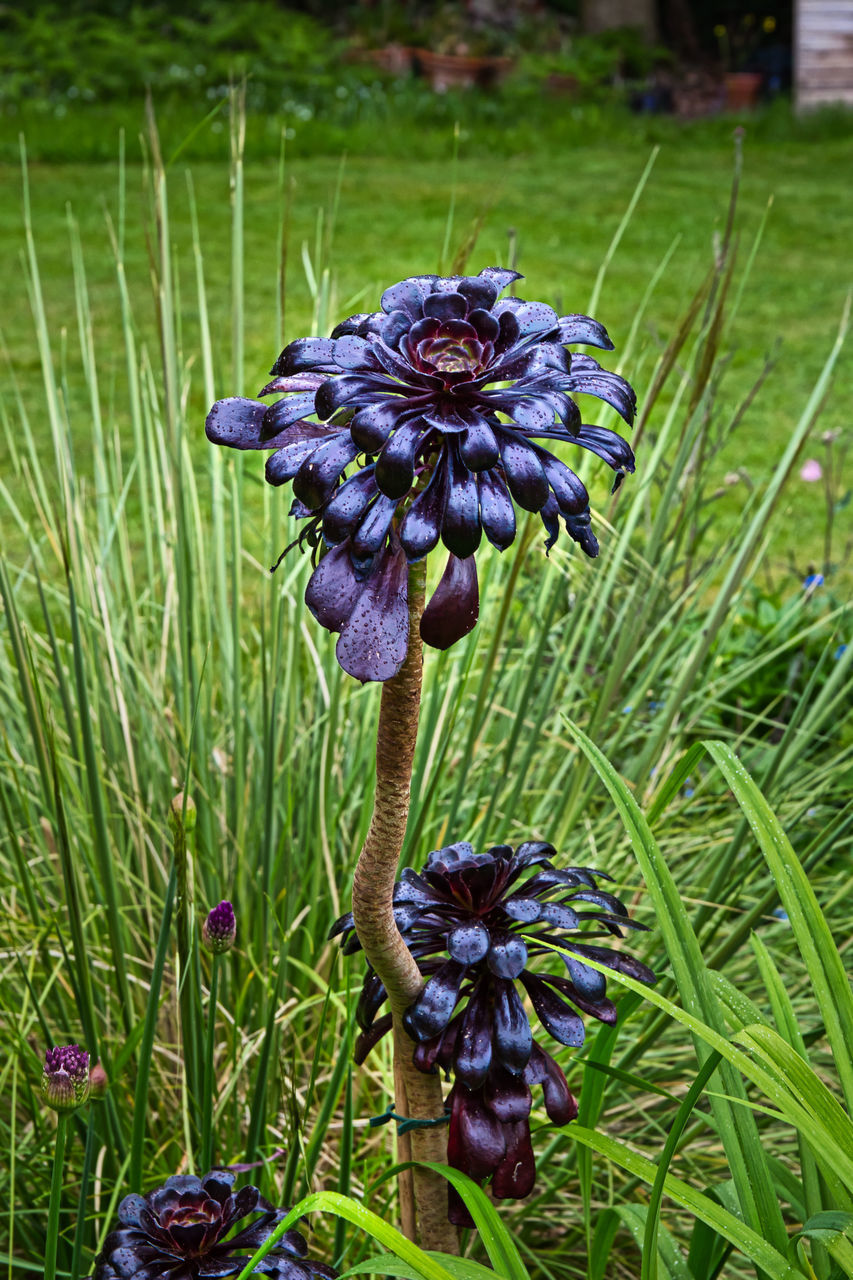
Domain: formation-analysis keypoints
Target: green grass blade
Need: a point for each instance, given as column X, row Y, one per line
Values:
column 811, row 931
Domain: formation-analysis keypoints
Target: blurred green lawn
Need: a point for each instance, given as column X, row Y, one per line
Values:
column 564, row 202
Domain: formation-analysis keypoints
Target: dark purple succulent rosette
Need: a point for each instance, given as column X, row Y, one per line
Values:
column 473, row 922
column 428, row 414
column 183, row 1230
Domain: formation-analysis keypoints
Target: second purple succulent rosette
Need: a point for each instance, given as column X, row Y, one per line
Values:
column 474, row 922
column 418, row 424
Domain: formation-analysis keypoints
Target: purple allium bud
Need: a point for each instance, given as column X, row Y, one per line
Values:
column 219, row 929
column 183, row 813
column 65, row 1081
column 98, row 1082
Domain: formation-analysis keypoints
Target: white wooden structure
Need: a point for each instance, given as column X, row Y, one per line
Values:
column 823, row 52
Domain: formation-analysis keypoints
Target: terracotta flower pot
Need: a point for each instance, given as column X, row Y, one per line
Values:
column 460, row 71
column 742, row 90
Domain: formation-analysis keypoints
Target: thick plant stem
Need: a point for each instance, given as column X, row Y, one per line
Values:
column 52, row 1240
column 418, row 1095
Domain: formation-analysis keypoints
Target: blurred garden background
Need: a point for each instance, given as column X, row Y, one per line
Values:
column 185, row 188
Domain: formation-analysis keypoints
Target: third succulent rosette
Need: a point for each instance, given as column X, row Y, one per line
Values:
column 477, row 924
column 420, row 424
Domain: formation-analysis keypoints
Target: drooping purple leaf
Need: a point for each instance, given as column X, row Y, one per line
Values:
column 454, row 606
column 373, row 643
column 554, row 1014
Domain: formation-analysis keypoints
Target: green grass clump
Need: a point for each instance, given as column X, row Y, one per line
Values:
column 147, row 652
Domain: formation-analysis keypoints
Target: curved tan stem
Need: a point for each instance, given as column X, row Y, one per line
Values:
column 418, row 1095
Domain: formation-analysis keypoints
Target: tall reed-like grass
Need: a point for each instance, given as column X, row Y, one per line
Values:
column 148, row 654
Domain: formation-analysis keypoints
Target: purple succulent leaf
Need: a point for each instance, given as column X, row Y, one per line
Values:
column 343, row 924
column 253, row 1236
column 473, row 1055
column 512, row 1035
column 362, row 323
column 461, row 531
column 370, row 1038
column 454, row 606
column 550, row 517
column 433, row 1008
column 589, row 982
column 572, row 497
column 534, row 318
column 407, row 296
column 188, row 1237
column 411, row 888
column 373, row 424
column 351, row 390
column 344, row 511
column 609, row 387
column 577, row 328
column 522, row 467
column 560, row 1104
column 499, row 277
column 372, row 531
column 445, row 306
column 237, row 423
column 283, row 414
column 479, row 448
column 451, row 418
column 400, row 367
column 476, row 1143
column 395, row 466
column 468, row 943
column 486, row 325
column 130, row 1209
column 568, row 876
column 283, row 465
column 393, row 327
column 125, row 1261
column 600, row 899
column 509, row 335
column 333, row 589
column 450, row 855
column 507, row 954
column 515, row 1176
column 297, row 382
column 497, row 514
column 534, row 853
column 527, row 910
column 218, row 1184
column 421, row 527
column 609, row 446
column 554, row 1014
column 373, row 642
column 601, row 1008
column 530, row 413
column 174, row 1187
column 318, row 475
column 507, row 1096
column 305, row 354
column 355, row 353
column 579, row 529
column 560, row 915
column 619, row 960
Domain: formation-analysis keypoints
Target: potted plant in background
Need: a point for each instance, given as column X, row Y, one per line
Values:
column 739, row 43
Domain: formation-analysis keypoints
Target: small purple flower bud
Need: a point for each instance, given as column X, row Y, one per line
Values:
column 219, row 929
column 65, row 1080
column 98, row 1081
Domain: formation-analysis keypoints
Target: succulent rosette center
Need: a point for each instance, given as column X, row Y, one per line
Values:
column 419, row 424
